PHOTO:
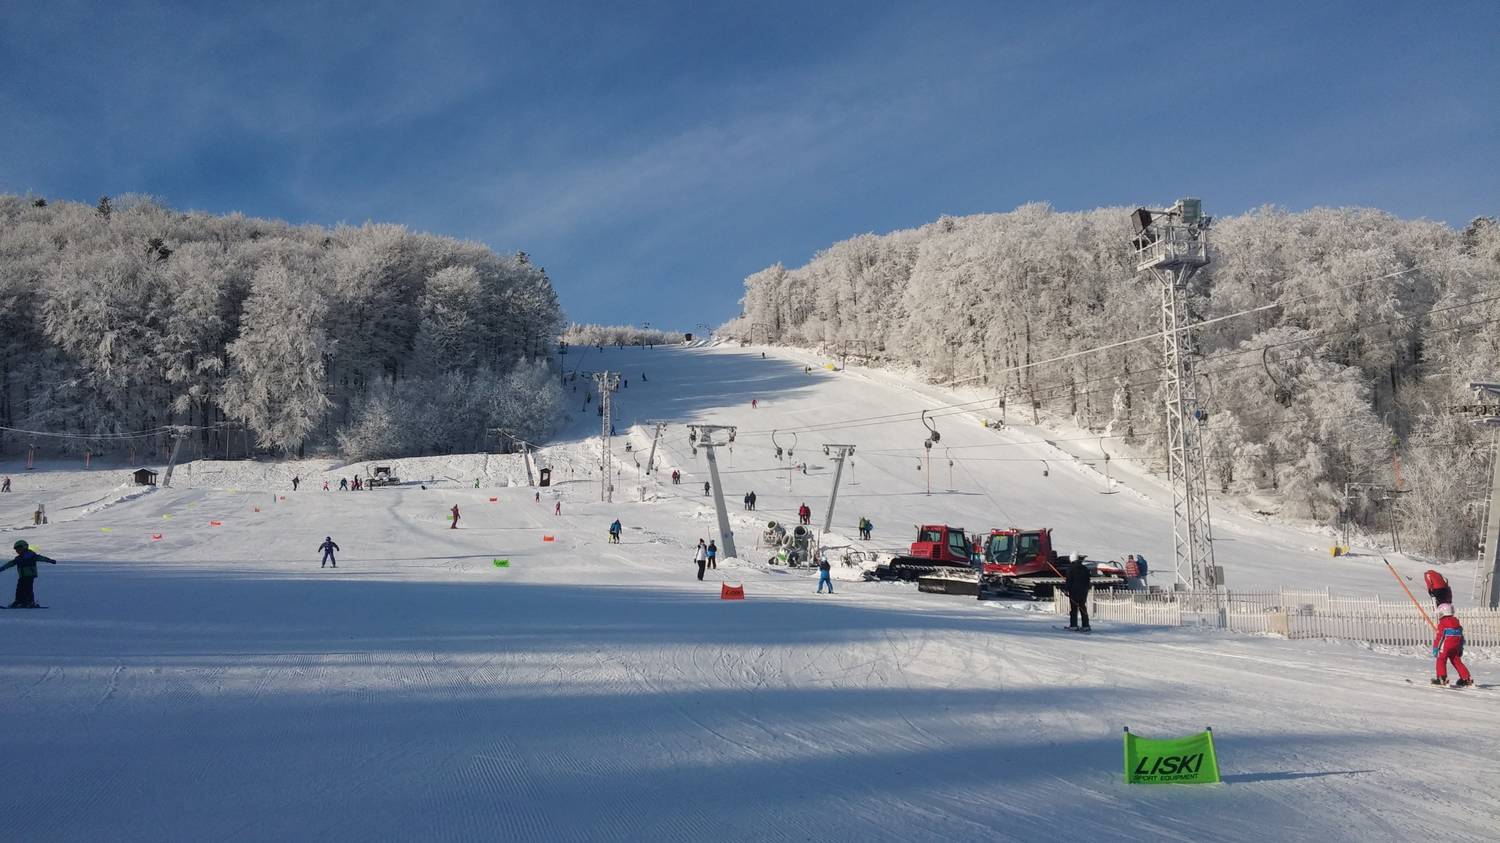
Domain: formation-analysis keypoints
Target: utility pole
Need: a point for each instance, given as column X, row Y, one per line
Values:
column 607, row 382
column 1173, row 245
column 178, row 433
column 656, row 437
column 1487, row 570
column 838, row 452
column 702, row 435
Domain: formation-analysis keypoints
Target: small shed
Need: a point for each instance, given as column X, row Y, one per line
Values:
column 144, row 477
column 545, row 478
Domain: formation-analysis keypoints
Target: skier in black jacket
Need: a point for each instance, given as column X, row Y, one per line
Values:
column 1078, row 593
column 25, row 565
column 328, row 547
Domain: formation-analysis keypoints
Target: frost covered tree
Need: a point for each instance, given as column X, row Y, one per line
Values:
column 278, row 363
column 119, row 317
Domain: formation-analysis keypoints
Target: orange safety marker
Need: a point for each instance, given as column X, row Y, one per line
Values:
column 549, row 538
column 156, row 537
column 729, row 592
column 493, row 500
column 216, row 523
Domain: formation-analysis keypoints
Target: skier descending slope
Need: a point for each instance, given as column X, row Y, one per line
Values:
column 328, row 547
column 454, row 525
column 25, row 565
column 1449, row 646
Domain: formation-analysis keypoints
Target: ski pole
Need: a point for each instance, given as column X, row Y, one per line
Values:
column 1413, row 597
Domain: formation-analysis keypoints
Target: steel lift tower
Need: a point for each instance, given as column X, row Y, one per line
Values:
column 1173, row 245
column 702, row 436
column 607, row 382
column 1486, row 413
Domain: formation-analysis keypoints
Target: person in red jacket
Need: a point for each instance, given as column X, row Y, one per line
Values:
column 804, row 514
column 1437, row 587
column 1449, row 646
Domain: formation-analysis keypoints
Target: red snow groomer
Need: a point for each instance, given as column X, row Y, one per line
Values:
column 937, row 547
column 1024, row 562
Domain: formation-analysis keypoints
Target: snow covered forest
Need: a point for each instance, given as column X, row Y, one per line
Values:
column 1383, row 323
column 580, row 334
column 264, row 336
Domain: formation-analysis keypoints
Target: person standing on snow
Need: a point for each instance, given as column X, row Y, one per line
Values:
column 1449, row 646
column 6, row 486
column 328, row 547
column 1078, row 593
column 752, row 501
column 705, row 488
column 825, row 573
column 747, row 501
column 713, row 555
column 295, row 481
column 325, row 485
column 454, row 525
column 25, row 565
column 701, row 557
column 1437, row 587
column 614, row 532
column 343, row 484
column 557, row 510
column 754, row 402
column 804, row 514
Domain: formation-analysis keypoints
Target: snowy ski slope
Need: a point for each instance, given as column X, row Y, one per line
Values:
column 216, row 684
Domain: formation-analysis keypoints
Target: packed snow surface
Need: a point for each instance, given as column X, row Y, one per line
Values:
column 216, row 684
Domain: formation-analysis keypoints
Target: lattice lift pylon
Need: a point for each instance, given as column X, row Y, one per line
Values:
column 1173, row 245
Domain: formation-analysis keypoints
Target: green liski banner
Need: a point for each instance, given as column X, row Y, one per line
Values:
column 502, row 563
column 1188, row 760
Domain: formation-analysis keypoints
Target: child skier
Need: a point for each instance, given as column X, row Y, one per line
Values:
column 25, row 565
column 328, row 547
column 825, row 573
column 1437, row 587
column 1449, row 646
column 713, row 555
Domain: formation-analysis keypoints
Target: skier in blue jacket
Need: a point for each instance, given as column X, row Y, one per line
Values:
column 328, row 547
column 25, row 565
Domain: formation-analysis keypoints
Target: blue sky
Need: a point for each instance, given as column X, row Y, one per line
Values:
column 651, row 155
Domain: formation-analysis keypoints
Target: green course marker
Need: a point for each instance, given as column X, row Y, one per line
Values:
column 502, row 563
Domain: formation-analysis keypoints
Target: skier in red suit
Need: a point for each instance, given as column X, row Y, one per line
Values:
column 1449, row 646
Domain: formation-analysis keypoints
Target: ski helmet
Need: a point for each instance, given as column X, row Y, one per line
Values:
column 21, row 544
column 1073, row 557
column 1445, row 610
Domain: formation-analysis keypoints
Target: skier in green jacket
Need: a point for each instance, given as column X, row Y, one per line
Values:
column 25, row 565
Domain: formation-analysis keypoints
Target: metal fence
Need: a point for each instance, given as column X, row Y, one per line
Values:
column 1291, row 614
